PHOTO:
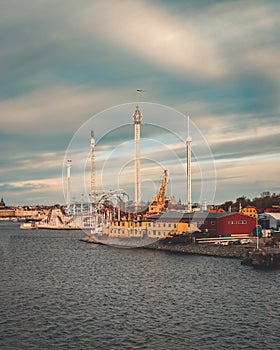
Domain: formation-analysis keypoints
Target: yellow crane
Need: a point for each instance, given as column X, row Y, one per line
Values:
column 159, row 202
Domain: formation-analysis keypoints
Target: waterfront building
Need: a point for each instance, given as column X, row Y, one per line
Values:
column 274, row 209
column 176, row 223
column 217, row 210
column 234, row 224
column 126, row 229
column 159, row 228
column 214, row 224
column 7, row 213
column 32, row 213
column 270, row 221
column 164, row 228
column 249, row 210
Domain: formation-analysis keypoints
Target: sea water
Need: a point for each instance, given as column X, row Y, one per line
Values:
column 57, row 292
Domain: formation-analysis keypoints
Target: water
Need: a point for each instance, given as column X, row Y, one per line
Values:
column 60, row 293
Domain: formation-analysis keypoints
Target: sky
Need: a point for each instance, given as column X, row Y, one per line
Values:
column 67, row 67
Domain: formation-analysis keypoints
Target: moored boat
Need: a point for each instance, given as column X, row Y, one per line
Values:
column 29, row 225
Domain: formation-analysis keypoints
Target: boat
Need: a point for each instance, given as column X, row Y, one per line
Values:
column 29, row 225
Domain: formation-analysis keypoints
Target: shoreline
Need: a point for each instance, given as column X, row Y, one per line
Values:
column 231, row 251
column 261, row 258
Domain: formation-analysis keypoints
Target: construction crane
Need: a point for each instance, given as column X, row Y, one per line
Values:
column 159, row 203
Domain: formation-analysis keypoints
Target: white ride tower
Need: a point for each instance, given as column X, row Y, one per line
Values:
column 137, row 117
column 189, row 174
column 92, row 194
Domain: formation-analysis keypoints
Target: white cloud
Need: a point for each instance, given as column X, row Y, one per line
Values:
column 266, row 60
column 152, row 33
column 247, row 32
column 210, row 43
column 41, row 191
column 249, row 176
column 226, row 40
column 55, row 109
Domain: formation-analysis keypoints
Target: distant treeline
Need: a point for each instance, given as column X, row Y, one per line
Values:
column 265, row 201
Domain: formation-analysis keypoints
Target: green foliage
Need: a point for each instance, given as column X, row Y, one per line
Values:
column 261, row 203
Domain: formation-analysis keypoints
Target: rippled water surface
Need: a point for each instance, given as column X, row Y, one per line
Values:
column 57, row 292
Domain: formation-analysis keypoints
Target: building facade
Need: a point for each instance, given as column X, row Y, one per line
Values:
column 270, row 221
column 249, row 210
column 215, row 224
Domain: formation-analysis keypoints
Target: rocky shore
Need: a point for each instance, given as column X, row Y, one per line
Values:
column 230, row 251
column 265, row 257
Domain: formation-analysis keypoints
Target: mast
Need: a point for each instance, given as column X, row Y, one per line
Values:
column 137, row 117
column 92, row 167
column 189, row 175
column 68, row 167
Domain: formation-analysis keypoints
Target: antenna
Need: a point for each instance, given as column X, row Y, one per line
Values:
column 138, row 92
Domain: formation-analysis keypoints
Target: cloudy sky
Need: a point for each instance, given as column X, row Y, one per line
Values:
column 63, row 63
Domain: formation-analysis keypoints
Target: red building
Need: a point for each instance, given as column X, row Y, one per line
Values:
column 218, row 224
column 215, row 224
column 236, row 224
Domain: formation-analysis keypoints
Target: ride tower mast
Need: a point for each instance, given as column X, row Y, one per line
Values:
column 189, row 174
column 137, row 117
column 92, row 168
column 68, row 167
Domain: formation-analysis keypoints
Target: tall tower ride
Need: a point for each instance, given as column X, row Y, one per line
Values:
column 68, row 167
column 189, row 175
column 137, row 117
column 92, row 168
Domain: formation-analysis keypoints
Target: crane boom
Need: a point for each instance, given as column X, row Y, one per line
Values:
column 158, row 204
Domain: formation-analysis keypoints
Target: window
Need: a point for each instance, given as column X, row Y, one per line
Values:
column 213, row 222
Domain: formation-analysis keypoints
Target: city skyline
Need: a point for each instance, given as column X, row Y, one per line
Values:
column 64, row 63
